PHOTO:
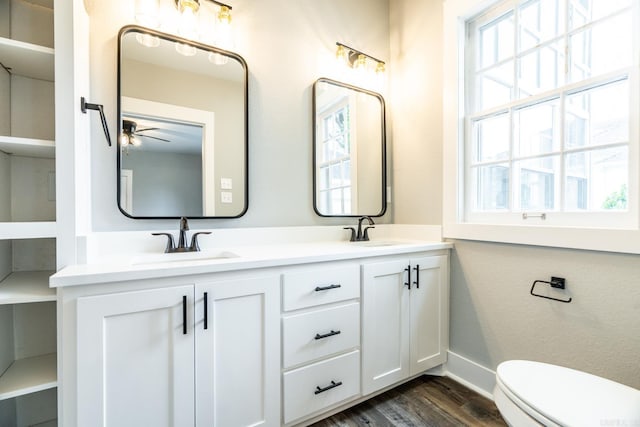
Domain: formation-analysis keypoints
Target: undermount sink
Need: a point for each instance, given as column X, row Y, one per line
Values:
column 174, row 257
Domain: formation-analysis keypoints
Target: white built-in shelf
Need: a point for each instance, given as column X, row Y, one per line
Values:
column 27, row 146
column 26, row 286
column 26, row 59
column 27, row 230
column 28, row 375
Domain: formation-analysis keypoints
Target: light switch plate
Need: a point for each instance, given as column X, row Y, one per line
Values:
column 226, row 197
column 226, row 183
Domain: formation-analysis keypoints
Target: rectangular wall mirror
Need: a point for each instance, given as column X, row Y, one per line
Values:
column 349, row 150
column 183, row 131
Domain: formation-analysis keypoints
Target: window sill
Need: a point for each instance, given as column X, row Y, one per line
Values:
column 593, row 239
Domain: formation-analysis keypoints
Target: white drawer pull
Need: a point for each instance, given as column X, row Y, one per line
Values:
column 327, row 335
column 329, row 387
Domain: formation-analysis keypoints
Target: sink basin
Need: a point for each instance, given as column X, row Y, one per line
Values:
column 176, row 257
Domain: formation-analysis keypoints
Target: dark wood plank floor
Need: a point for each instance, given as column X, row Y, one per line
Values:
column 424, row 401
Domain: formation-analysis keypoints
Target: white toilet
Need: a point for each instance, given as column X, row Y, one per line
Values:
column 533, row 394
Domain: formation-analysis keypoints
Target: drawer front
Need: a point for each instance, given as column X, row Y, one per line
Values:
column 312, row 286
column 310, row 336
column 310, row 389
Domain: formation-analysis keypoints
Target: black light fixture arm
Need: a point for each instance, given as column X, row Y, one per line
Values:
column 356, row 51
column 84, row 106
column 221, row 4
column 212, row 1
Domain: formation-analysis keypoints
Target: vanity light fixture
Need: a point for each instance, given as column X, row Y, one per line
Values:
column 356, row 59
column 188, row 27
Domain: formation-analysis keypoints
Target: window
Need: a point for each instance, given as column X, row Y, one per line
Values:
column 550, row 114
column 334, row 159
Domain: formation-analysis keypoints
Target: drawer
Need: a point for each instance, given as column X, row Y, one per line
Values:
column 309, row 389
column 320, row 333
column 312, row 286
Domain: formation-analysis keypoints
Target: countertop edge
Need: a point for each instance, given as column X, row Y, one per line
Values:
column 284, row 255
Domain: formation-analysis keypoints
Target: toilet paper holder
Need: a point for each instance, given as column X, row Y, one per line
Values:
column 556, row 283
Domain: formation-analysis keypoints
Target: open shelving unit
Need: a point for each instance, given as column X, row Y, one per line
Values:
column 23, row 287
column 28, row 367
column 28, row 375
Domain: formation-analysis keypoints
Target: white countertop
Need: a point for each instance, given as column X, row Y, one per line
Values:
column 153, row 265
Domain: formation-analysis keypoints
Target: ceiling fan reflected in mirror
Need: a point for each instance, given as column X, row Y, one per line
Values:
column 131, row 135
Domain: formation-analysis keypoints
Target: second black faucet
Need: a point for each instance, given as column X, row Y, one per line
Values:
column 361, row 235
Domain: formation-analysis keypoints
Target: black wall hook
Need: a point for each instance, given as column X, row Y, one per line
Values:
column 556, row 282
column 84, row 106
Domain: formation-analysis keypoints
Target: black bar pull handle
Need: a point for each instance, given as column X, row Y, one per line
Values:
column 417, row 269
column 326, row 288
column 329, row 387
column 408, row 282
column 327, row 335
column 84, row 106
column 206, row 307
column 184, row 314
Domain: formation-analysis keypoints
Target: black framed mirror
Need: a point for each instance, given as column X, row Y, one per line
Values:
column 182, row 128
column 349, row 150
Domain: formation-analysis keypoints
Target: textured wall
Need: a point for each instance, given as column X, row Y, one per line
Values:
column 416, row 109
column 494, row 318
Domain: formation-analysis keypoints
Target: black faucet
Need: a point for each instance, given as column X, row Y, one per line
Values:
column 182, row 240
column 360, row 235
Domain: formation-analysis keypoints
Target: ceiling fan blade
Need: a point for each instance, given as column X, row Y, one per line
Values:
column 153, row 137
column 145, row 129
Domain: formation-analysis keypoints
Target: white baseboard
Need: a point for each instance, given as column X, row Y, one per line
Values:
column 470, row 374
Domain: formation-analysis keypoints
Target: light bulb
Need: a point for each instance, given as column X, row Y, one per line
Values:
column 146, row 13
column 188, row 24
column 148, row 40
column 224, row 40
column 134, row 141
column 218, row 59
column 360, row 62
column 124, row 140
column 185, row 49
column 341, row 53
column 380, row 67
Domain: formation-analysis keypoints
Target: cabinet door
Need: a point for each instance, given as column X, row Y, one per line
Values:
column 135, row 361
column 385, row 323
column 429, row 312
column 237, row 352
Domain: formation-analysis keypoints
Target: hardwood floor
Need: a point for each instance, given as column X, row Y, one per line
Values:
column 424, row 401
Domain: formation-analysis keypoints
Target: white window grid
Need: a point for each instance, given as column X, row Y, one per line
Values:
column 343, row 187
column 560, row 45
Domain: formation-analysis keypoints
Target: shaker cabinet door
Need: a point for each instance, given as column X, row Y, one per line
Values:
column 429, row 313
column 135, row 358
column 385, row 325
column 238, row 352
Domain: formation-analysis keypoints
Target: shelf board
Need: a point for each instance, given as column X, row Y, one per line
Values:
column 29, row 147
column 27, row 230
column 25, row 287
column 28, row 375
column 26, row 59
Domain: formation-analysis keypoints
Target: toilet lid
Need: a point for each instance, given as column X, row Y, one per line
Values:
column 568, row 397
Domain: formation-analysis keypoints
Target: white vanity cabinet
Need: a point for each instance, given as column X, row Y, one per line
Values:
column 247, row 342
column 320, row 338
column 203, row 354
column 405, row 318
